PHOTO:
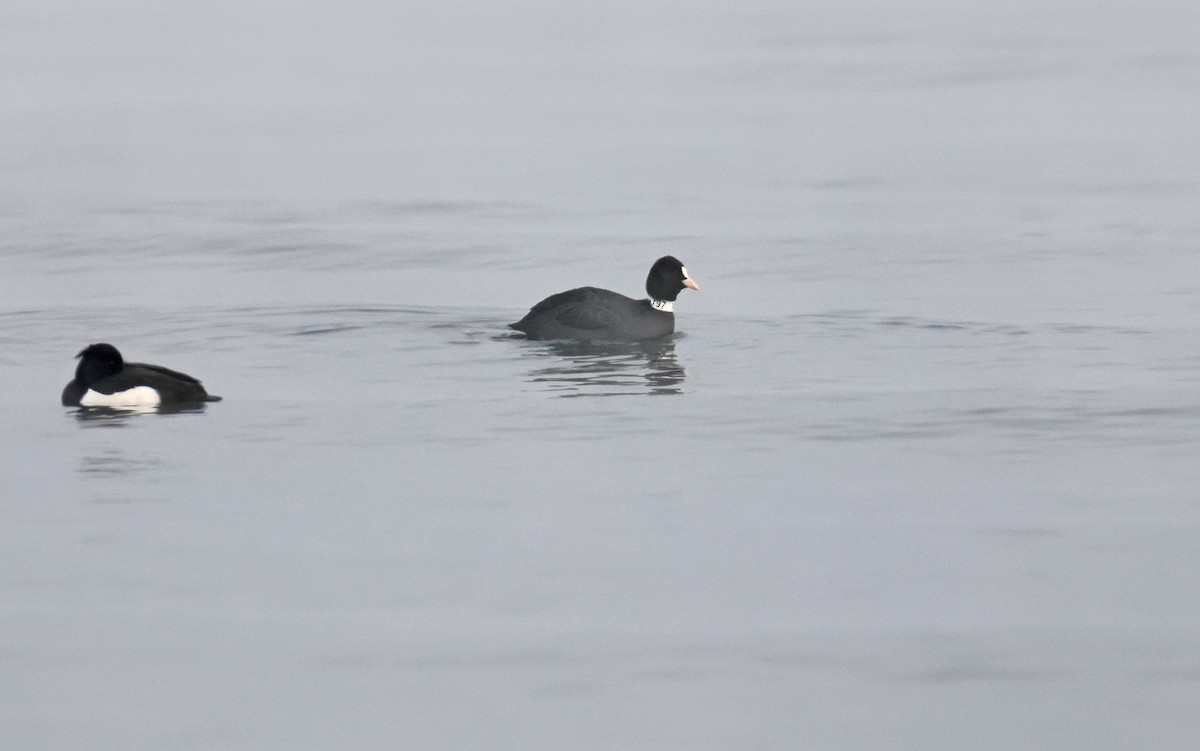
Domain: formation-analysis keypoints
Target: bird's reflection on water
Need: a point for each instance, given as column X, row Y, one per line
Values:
column 116, row 416
column 571, row 368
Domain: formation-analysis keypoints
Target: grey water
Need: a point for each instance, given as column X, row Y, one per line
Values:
column 917, row 471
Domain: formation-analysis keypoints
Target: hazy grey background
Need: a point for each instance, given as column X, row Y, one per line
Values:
column 919, row 471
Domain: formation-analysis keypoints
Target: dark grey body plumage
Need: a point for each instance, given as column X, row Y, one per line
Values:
column 593, row 313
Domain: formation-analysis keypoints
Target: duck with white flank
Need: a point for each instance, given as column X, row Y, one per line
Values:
column 592, row 314
column 104, row 379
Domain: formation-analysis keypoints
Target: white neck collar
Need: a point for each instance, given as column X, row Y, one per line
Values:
column 666, row 306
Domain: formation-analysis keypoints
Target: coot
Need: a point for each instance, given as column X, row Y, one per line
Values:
column 592, row 314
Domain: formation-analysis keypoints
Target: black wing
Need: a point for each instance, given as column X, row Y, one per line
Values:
column 588, row 308
column 160, row 370
column 171, row 385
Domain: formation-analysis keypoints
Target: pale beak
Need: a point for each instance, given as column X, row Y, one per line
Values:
column 690, row 284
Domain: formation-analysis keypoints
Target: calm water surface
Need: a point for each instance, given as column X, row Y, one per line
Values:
column 918, row 470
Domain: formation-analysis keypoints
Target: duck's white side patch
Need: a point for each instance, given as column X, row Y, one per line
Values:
column 665, row 306
column 137, row 396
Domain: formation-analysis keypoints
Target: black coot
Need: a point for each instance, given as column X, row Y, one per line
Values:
column 104, row 379
column 592, row 314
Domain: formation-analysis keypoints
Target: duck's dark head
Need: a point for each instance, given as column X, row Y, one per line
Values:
column 98, row 361
column 667, row 279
